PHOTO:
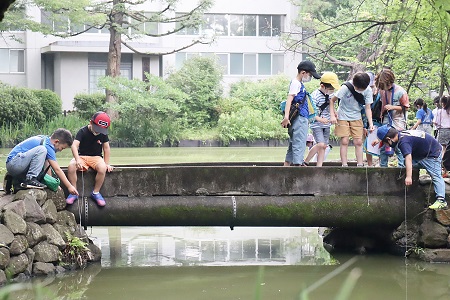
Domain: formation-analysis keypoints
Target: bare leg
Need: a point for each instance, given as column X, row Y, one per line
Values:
column 358, row 151
column 311, row 153
column 72, row 173
column 369, row 159
column 321, row 154
column 343, row 150
column 100, row 177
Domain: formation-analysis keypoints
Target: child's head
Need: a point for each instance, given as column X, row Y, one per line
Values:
column 418, row 103
column 306, row 68
column 437, row 101
column 329, row 82
column 61, row 139
column 385, row 79
column 361, row 81
column 310, row 140
column 386, row 133
column 100, row 122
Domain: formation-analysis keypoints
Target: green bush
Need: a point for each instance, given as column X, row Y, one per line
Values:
column 51, row 103
column 88, row 104
column 18, row 105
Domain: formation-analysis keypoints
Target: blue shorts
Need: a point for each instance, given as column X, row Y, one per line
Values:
column 321, row 135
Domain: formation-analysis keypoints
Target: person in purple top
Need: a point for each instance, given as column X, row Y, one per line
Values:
column 419, row 149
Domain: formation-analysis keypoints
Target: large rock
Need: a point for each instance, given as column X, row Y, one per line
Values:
column 5, row 200
column 40, row 268
column 95, row 252
column 17, row 264
column 66, row 218
column 34, row 212
column 58, row 199
column 17, row 206
column 432, row 235
column 46, row 252
column 34, row 234
column 64, row 231
column 19, row 245
column 6, row 236
column 2, row 277
column 40, row 196
column 4, row 257
column 50, row 212
column 14, row 222
column 435, row 255
column 53, row 236
column 443, row 216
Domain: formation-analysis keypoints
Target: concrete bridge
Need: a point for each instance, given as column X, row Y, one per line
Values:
column 259, row 194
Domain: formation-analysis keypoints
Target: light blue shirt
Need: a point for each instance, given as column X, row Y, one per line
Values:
column 31, row 143
column 349, row 109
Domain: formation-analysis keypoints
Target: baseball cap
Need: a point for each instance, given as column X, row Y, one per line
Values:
column 330, row 78
column 382, row 131
column 310, row 138
column 306, row 65
column 372, row 78
column 100, row 122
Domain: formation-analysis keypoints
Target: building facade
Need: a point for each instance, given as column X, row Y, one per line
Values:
column 245, row 41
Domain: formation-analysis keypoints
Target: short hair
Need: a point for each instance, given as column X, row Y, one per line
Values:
column 63, row 135
column 327, row 85
column 419, row 101
column 361, row 80
column 384, row 79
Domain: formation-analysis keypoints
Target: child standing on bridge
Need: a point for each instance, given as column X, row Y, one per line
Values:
column 419, row 149
column 90, row 141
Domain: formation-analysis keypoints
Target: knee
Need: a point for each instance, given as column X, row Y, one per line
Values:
column 322, row 146
column 100, row 168
column 344, row 142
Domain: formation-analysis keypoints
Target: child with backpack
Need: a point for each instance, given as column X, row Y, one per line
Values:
column 395, row 103
column 419, row 149
column 352, row 95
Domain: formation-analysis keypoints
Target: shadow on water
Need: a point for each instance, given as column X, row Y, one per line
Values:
column 247, row 263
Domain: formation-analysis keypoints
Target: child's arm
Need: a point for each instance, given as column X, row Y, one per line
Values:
column 59, row 172
column 74, row 148
column 408, row 165
column 106, row 156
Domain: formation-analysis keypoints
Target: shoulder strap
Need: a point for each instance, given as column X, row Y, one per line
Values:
column 325, row 104
column 358, row 97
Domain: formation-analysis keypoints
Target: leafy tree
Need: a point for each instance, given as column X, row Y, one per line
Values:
column 200, row 78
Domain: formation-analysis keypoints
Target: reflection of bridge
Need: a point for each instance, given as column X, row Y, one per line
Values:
column 218, row 246
column 252, row 195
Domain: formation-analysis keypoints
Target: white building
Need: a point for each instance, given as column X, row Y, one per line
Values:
column 247, row 45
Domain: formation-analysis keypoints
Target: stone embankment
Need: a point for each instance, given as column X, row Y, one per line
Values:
column 35, row 229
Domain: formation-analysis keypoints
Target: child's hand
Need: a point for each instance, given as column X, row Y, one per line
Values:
column 377, row 141
column 408, row 180
column 109, row 168
column 285, row 122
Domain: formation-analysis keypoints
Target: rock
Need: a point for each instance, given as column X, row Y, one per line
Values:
column 5, row 200
column 40, row 268
column 6, row 236
column 443, row 216
column 4, row 258
column 17, row 206
column 66, row 218
column 14, row 222
column 53, row 236
column 34, row 234
column 50, row 212
column 95, row 252
column 34, row 212
column 432, row 235
column 30, row 254
column 435, row 255
column 58, row 199
column 17, row 264
column 19, row 245
column 60, row 270
column 64, row 230
column 46, row 252
column 3, row 279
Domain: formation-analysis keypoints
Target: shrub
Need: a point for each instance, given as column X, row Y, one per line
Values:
column 18, row 105
column 88, row 104
column 51, row 103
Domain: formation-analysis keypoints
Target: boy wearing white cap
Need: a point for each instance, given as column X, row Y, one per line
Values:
column 87, row 148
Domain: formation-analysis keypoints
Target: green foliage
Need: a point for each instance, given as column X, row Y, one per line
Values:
column 18, row 105
column 262, row 95
column 88, row 104
column 51, row 103
column 148, row 111
column 200, row 78
column 76, row 251
column 250, row 124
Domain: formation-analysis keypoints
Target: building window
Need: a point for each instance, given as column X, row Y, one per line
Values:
column 97, row 65
column 144, row 27
column 236, row 63
column 12, row 61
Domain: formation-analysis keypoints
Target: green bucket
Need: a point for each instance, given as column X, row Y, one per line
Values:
column 51, row 182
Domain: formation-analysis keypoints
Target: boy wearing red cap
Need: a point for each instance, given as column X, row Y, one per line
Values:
column 87, row 148
column 419, row 149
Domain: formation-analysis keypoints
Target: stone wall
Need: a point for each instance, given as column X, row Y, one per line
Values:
column 33, row 234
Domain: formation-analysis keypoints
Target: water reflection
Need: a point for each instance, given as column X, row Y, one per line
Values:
column 210, row 246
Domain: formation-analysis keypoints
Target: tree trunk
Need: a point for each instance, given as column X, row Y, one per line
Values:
column 115, row 52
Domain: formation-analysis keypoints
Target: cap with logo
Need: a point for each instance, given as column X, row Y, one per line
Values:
column 330, row 78
column 382, row 131
column 100, row 122
column 308, row 66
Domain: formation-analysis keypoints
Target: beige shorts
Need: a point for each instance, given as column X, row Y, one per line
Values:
column 89, row 162
column 349, row 128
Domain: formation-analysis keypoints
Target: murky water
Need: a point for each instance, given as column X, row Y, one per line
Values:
column 246, row 263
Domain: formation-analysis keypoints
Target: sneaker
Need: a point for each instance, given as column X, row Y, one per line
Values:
column 98, row 198
column 438, row 204
column 71, row 198
column 33, row 183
